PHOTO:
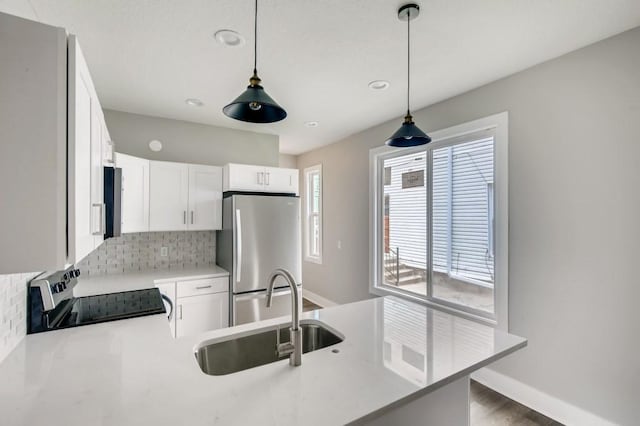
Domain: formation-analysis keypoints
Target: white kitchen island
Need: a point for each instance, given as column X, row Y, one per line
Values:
column 399, row 362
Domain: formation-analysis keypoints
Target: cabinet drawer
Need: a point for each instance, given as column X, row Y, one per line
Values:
column 202, row 286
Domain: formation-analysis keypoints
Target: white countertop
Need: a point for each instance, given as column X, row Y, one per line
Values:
column 138, row 280
column 131, row 372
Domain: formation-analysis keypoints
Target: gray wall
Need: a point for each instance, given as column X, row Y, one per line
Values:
column 187, row 142
column 288, row 161
column 574, row 174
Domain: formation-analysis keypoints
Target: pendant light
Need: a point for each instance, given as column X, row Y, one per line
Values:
column 254, row 105
column 408, row 134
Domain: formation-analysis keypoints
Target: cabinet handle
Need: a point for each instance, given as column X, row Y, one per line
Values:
column 184, row 217
column 180, row 306
column 266, row 179
column 192, row 217
column 238, row 246
column 203, row 287
column 260, row 178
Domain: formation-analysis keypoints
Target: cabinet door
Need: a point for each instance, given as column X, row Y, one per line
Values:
column 202, row 313
column 135, row 193
column 281, row 180
column 168, row 196
column 108, row 153
column 242, row 177
column 169, row 290
column 84, row 215
column 97, row 175
column 205, row 198
column 33, row 146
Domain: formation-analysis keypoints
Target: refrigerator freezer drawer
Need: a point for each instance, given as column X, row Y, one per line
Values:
column 251, row 307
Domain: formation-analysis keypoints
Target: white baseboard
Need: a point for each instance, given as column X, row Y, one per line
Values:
column 539, row 401
column 317, row 299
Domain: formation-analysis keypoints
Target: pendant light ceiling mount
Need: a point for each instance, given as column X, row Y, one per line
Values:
column 255, row 105
column 409, row 11
column 408, row 134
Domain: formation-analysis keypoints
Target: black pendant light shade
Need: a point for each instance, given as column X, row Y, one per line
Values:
column 254, row 105
column 408, row 134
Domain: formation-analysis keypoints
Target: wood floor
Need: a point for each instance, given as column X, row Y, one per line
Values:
column 309, row 306
column 488, row 407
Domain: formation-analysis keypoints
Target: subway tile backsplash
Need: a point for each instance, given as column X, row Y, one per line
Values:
column 13, row 310
column 144, row 251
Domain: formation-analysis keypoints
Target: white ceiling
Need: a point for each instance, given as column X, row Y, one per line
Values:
column 316, row 57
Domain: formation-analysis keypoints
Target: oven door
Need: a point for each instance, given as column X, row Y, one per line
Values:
column 251, row 307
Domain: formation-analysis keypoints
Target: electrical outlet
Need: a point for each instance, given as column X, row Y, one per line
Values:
column 164, row 251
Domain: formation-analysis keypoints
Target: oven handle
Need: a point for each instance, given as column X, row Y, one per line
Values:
column 165, row 297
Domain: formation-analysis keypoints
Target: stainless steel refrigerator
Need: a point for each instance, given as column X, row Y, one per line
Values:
column 259, row 233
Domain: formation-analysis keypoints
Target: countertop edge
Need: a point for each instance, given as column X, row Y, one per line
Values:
column 435, row 386
column 190, row 277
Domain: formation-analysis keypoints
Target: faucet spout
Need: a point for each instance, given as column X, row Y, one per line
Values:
column 294, row 347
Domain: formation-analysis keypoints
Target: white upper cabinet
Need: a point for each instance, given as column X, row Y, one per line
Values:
column 242, row 177
column 135, row 192
column 85, row 184
column 168, row 196
column 281, row 180
column 184, row 197
column 108, row 152
column 33, row 143
column 205, row 197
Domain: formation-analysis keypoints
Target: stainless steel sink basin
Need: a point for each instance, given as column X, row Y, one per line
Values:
column 248, row 351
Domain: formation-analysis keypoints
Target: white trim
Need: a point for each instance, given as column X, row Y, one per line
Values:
column 537, row 400
column 497, row 125
column 317, row 299
column 307, row 203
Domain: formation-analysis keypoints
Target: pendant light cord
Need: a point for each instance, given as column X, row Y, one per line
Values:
column 255, row 39
column 408, row 57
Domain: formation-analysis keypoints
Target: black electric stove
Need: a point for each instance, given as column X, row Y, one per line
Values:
column 52, row 305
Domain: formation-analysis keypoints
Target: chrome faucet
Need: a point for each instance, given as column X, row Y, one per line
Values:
column 293, row 348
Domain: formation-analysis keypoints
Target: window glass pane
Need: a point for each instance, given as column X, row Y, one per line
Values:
column 315, row 191
column 463, row 262
column 313, row 182
column 405, row 223
column 315, row 235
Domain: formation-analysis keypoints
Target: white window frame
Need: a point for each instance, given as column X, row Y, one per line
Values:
column 308, row 172
column 497, row 126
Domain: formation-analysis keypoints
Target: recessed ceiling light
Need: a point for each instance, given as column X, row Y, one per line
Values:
column 311, row 123
column 194, row 102
column 155, row 145
column 378, row 84
column 229, row 38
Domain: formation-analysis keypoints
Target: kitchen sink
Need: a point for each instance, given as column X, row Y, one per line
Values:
column 253, row 350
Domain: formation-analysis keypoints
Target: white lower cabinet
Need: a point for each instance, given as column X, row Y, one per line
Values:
column 198, row 305
column 169, row 290
column 196, row 314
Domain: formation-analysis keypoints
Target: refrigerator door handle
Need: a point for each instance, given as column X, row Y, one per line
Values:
column 238, row 246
